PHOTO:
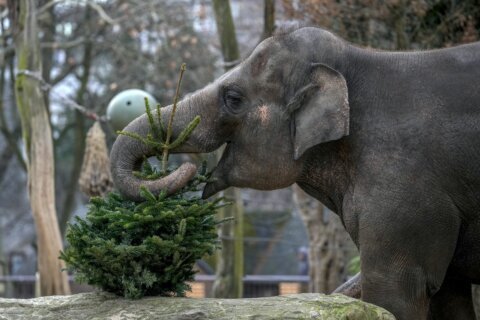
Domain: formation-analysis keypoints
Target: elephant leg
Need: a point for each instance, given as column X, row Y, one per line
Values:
column 404, row 293
column 453, row 301
column 405, row 253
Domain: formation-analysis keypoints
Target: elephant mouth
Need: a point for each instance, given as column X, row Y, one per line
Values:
column 219, row 178
column 210, row 189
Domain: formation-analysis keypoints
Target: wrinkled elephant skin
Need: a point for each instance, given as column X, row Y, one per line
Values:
column 390, row 141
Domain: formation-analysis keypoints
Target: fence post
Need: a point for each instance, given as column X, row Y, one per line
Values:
column 37, row 285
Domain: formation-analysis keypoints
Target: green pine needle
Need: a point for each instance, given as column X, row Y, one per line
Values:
column 183, row 136
column 160, row 124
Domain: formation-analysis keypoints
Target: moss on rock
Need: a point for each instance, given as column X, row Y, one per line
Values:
column 100, row 305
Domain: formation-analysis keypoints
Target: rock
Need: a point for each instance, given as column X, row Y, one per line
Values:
column 100, row 305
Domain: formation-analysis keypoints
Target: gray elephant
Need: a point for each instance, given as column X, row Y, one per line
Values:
column 390, row 141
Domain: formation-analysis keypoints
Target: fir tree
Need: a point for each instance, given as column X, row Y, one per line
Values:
column 149, row 247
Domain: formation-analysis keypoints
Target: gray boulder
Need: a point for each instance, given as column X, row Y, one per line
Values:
column 100, row 305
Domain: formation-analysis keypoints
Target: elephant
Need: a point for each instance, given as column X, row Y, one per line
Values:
column 389, row 141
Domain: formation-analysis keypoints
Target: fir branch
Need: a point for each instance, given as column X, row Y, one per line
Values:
column 170, row 121
column 185, row 133
column 133, row 135
column 157, row 134
column 160, row 123
column 145, row 193
column 149, row 141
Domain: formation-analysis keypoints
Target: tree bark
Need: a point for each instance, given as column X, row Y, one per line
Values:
column 226, row 31
column 400, row 25
column 267, row 253
column 268, row 18
column 11, row 136
column 328, row 244
column 47, row 26
column 230, row 267
column 79, row 136
column 37, row 138
column 11, row 147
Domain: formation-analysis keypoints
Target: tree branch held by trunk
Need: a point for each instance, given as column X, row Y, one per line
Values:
column 145, row 137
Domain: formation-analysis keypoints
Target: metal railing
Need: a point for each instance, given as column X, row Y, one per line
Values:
column 23, row 286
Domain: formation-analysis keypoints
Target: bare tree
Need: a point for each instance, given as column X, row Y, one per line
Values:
column 39, row 148
column 230, row 268
column 268, row 18
column 392, row 24
column 329, row 244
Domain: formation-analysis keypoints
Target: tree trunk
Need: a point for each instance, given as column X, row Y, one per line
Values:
column 226, row 31
column 47, row 27
column 39, row 149
column 400, row 25
column 11, row 136
column 79, row 136
column 11, row 145
column 267, row 253
column 329, row 244
column 268, row 18
column 230, row 268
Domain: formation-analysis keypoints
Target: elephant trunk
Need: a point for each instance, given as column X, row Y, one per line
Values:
column 128, row 153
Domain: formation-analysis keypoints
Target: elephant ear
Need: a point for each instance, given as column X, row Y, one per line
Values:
column 320, row 109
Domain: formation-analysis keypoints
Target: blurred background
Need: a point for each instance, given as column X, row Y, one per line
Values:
column 91, row 50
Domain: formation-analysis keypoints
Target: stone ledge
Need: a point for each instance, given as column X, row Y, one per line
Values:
column 100, row 305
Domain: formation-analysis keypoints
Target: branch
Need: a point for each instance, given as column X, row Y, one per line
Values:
column 64, row 45
column 101, row 12
column 170, row 121
column 5, row 158
column 79, row 144
column 10, row 137
column 62, row 133
column 46, row 6
column 103, row 15
column 69, row 102
column 12, row 143
column 63, row 73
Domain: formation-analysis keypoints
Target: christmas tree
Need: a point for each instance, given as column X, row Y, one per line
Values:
column 143, row 248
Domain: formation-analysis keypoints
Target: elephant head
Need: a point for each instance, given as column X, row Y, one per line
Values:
column 269, row 110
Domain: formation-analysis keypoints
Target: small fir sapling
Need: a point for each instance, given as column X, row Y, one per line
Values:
column 143, row 248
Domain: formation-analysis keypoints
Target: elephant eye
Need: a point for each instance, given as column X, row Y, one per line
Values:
column 233, row 100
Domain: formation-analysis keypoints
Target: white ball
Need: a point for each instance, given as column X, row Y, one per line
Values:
column 126, row 106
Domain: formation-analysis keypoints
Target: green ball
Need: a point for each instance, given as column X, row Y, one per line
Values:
column 126, row 106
